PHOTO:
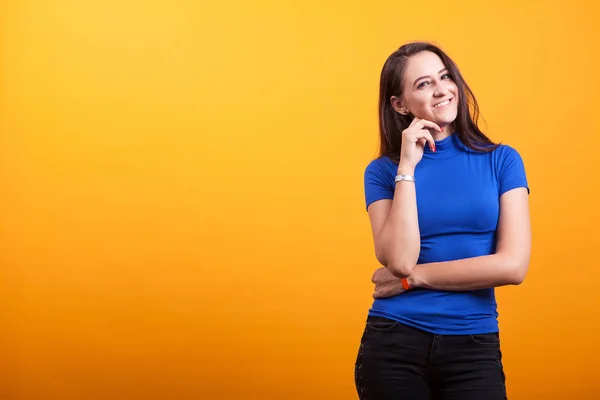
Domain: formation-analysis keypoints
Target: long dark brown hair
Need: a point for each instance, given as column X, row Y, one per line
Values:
column 392, row 123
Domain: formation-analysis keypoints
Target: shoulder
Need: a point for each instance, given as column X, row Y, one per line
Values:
column 381, row 165
column 505, row 151
column 509, row 168
column 505, row 155
column 380, row 170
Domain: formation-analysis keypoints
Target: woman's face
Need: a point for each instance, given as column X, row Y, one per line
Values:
column 429, row 92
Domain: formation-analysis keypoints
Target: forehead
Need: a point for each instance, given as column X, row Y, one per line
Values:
column 421, row 64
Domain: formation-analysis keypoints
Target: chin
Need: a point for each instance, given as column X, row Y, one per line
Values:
column 446, row 119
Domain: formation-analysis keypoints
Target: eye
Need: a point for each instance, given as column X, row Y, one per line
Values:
column 423, row 84
column 446, row 76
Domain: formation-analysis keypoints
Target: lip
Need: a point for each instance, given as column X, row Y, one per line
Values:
column 439, row 102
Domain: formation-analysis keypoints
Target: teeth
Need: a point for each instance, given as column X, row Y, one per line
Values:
column 443, row 103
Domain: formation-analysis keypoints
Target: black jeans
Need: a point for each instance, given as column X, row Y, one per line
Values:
column 398, row 362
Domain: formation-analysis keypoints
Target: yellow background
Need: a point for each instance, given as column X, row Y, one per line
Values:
column 182, row 210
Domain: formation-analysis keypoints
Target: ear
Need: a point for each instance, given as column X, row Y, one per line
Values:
column 398, row 106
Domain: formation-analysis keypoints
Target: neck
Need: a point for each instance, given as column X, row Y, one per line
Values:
column 448, row 129
column 447, row 147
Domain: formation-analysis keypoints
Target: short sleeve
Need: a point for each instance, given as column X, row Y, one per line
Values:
column 378, row 182
column 511, row 171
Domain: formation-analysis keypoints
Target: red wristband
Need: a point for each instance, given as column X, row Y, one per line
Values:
column 405, row 284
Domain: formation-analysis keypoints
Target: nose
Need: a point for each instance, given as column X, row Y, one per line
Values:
column 441, row 88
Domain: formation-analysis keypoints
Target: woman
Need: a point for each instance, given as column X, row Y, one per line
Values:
column 450, row 221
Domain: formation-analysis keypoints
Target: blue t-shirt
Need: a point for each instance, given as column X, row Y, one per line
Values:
column 458, row 200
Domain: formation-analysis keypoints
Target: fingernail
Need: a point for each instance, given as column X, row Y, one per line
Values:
column 434, row 148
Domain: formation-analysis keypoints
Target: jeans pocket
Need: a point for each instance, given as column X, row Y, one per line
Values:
column 381, row 324
column 486, row 339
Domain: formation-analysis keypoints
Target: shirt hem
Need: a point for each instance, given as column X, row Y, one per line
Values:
column 478, row 330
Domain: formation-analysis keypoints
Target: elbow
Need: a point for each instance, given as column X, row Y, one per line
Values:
column 514, row 267
column 400, row 265
column 401, row 269
column 518, row 271
column 397, row 268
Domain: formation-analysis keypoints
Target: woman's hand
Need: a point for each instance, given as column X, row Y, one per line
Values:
column 414, row 139
column 386, row 284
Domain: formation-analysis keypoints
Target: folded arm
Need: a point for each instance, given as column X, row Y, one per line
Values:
column 508, row 266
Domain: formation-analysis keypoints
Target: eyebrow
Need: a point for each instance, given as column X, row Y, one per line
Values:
column 427, row 76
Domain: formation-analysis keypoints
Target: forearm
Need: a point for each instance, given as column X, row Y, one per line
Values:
column 469, row 273
column 400, row 237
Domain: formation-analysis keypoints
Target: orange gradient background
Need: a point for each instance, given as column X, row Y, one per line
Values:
column 182, row 210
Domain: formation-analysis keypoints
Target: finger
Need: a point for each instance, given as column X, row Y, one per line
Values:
column 423, row 136
column 376, row 275
column 415, row 121
column 431, row 125
column 431, row 142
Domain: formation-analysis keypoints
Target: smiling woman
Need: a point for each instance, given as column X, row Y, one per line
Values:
column 433, row 89
column 450, row 222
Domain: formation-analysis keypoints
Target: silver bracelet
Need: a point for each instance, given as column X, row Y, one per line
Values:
column 404, row 178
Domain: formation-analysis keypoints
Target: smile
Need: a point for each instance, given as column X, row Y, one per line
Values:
column 443, row 103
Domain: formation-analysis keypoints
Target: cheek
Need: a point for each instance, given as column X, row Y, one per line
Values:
column 422, row 101
column 454, row 89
